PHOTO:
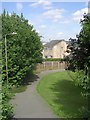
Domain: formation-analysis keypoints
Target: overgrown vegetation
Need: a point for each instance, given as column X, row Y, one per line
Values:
column 23, row 52
column 79, row 59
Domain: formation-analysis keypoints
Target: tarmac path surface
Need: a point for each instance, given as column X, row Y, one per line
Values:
column 29, row 104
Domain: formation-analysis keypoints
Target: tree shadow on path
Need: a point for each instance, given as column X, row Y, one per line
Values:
column 30, row 78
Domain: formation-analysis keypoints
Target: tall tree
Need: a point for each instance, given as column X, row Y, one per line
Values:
column 24, row 49
column 80, row 48
column 79, row 58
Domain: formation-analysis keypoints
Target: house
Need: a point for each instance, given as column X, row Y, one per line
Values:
column 55, row 49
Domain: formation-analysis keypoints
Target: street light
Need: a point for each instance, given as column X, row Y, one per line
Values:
column 13, row 33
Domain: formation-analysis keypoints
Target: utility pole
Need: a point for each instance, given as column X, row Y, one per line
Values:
column 6, row 59
column 13, row 33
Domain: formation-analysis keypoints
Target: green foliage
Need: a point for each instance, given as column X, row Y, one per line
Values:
column 7, row 109
column 80, row 52
column 79, row 60
column 82, row 80
column 23, row 52
column 80, row 48
column 24, row 49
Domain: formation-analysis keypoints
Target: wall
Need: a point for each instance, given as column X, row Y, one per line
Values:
column 59, row 50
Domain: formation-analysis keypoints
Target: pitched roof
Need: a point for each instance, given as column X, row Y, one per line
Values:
column 52, row 43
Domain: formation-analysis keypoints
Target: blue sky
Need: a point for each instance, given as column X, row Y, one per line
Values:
column 52, row 20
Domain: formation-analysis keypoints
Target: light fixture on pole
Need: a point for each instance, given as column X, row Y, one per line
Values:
column 13, row 33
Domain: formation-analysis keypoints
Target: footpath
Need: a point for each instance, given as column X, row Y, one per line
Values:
column 29, row 104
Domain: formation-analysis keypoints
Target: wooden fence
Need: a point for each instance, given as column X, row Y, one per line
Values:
column 51, row 65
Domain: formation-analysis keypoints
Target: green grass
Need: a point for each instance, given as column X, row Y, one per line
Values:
column 59, row 90
column 19, row 89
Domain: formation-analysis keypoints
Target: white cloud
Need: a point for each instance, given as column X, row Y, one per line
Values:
column 44, row 3
column 19, row 6
column 54, row 14
column 79, row 14
column 60, row 33
column 43, row 26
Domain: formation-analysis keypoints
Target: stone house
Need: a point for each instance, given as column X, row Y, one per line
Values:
column 55, row 49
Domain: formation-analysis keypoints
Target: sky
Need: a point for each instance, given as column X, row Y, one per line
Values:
column 52, row 20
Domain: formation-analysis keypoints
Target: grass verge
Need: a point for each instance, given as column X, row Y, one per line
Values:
column 19, row 89
column 59, row 90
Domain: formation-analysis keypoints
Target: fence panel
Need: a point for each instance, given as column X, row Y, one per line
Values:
column 50, row 65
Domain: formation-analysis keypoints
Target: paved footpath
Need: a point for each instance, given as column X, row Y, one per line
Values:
column 29, row 104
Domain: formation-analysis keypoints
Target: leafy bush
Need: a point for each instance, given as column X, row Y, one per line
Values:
column 7, row 109
column 82, row 80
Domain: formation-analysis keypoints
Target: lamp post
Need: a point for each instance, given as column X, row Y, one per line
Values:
column 13, row 33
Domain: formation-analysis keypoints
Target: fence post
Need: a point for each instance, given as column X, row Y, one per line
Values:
column 52, row 64
column 44, row 65
column 58, row 65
